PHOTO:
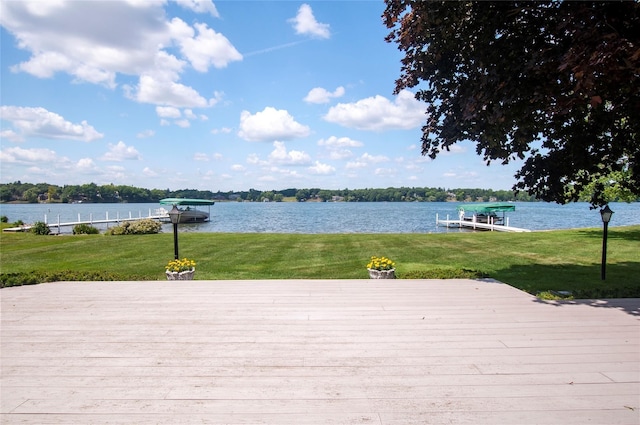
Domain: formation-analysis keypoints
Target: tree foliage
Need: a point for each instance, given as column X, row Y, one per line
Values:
column 552, row 83
column 91, row 193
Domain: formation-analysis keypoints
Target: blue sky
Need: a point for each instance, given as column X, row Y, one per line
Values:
column 226, row 95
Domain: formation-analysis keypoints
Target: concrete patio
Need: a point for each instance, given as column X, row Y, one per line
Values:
column 314, row 352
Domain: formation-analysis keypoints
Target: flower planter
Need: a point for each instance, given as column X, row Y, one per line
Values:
column 382, row 274
column 185, row 275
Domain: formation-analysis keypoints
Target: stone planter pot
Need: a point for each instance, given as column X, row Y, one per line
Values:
column 185, row 275
column 382, row 274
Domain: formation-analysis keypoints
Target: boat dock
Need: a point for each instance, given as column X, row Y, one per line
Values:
column 484, row 216
column 157, row 215
column 474, row 225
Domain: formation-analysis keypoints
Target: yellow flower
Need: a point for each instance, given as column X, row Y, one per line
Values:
column 380, row 263
column 180, row 265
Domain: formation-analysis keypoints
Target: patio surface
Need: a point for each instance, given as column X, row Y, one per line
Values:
column 314, row 352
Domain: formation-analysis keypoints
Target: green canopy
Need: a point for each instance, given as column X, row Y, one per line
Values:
column 186, row 201
column 487, row 208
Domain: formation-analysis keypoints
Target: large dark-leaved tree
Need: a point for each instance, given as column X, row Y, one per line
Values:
column 553, row 83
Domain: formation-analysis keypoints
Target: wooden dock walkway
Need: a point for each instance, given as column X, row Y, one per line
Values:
column 475, row 225
column 91, row 221
column 302, row 352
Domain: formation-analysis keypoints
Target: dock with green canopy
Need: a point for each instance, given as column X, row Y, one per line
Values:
column 483, row 216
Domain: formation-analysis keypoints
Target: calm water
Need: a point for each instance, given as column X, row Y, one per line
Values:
column 313, row 217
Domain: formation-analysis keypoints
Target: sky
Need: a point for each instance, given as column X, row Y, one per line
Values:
column 220, row 96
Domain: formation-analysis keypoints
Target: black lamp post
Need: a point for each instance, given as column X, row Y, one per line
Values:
column 606, row 214
column 174, row 215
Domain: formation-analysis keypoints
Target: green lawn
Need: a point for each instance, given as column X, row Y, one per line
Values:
column 534, row 262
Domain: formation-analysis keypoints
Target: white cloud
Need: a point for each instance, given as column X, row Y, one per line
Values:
column 27, row 156
column 253, row 159
column 337, row 146
column 166, row 92
column 321, row 169
column 183, row 123
column 365, row 160
column 149, row 172
column 238, row 167
column 38, row 122
column 86, row 165
column 463, row 175
column 266, row 178
column 453, row 150
column 223, row 130
column 205, row 49
column 374, row 158
column 378, row 113
column 200, row 6
column 198, row 156
column 270, row 124
column 188, row 113
column 320, row 95
column 120, row 152
column 305, row 23
column 168, row 112
column 339, row 154
column 280, row 155
column 385, row 172
column 356, row 164
column 78, row 38
column 11, row 135
column 340, row 142
column 145, row 134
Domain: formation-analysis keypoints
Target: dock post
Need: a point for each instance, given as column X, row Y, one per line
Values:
column 58, row 223
column 437, row 221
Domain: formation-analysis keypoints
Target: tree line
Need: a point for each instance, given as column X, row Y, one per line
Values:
column 93, row 193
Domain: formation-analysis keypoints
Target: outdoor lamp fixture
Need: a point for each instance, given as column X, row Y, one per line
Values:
column 606, row 214
column 174, row 216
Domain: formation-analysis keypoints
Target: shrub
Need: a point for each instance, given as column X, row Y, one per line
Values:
column 35, row 277
column 40, row 228
column 138, row 227
column 145, row 227
column 4, row 219
column 85, row 229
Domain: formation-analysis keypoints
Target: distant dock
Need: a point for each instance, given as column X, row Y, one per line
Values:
column 475, row 225
column 159, row 215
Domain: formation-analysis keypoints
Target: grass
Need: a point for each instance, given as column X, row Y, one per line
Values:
column 565, row 260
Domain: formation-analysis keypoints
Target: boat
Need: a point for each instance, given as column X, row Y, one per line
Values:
column 485, row 212
column 483, row 216
column 190, row 213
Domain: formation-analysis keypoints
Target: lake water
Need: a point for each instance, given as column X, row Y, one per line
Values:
column 330, row 217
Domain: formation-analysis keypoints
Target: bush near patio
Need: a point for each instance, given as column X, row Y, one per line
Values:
column 138, row 227
column 85, row 229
